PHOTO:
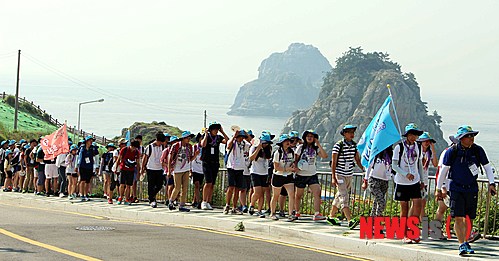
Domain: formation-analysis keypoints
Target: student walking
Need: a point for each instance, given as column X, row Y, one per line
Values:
column 179, row 161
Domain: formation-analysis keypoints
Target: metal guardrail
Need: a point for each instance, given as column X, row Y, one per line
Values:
column 54, row 121
column 487, row 220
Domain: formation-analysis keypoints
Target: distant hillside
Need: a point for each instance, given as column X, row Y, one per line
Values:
column 30, row 123
column 149, row 130
column 286, row 82
column 355, row 90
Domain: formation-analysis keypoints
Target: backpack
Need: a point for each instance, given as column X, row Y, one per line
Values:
column 149, row 149
column 453, row 157
column 174, row 149
column 108, row 161
column 341, row 144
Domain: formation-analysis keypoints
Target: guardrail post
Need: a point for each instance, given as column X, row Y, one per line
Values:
column 486, row 218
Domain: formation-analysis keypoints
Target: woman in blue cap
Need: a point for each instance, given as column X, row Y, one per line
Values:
column 406, row 162
column 284, row 169
column 236, row 164
column 85, row 165
column 429, row 158
column 71, row 171
column 260, row 155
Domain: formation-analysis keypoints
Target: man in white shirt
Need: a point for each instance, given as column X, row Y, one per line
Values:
column 151, row 163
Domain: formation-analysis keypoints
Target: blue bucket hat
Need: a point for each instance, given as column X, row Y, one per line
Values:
column 242, row 133
column 305, row 133
column 465, row 130
column 187, row 134
column 27, row 146
column 426, row 136
column 283, row 138
column 294, row 135
column 12, row 142
column 89, row 137
column 412, row 128
column 22, row 141
column 214, row 125
column 166, row 134
column 347, row 127
column 73, row 147
column 70, row 143
column 174, row 138
column 270, row 134
column 82, row 141
column 7, row 152
column 265, row 138
column 250, row 133
column 111, row 145
column 3, row 143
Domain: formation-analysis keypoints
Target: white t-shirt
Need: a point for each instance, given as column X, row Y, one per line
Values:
column 183, row 163
column 426, row 171
column 285, row 161
column 236, row 160
column 409, row 165
column 307, row 161
column 60, row 160
column 440, row 164
column 379, row 169
column 197, row 164
column 154, row 153
column 259, row 166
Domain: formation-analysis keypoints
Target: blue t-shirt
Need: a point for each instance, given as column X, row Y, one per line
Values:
column 462, row 178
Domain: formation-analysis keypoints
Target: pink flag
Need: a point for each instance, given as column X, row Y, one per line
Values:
column 55, row 143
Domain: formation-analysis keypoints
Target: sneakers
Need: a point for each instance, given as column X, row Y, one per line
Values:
column 61, row 195
column 333, row 221
column 297, row 215
column 244, row 209
column 195, row 204
column 110, row 201
column 226, row 210
column 154, row 204
column 260, row 214
column 183, row 209
column 353, row 223
column 318, row 217
column 171, row 206
column 267, row 211
column 416, row 240
column 468, row 248
column 120, row 200
column 71, row 197
column 236, row 211
column 282, row 214
column 24, row 191
column 206, row 206
column 128, row 201
column 274, row 217
column 474, row 236
column 251, row 210
column 291, row 218
column 82, row 198
column 463, row 249
column 406, row 240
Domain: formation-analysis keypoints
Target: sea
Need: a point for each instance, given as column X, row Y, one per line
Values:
column 184, row 105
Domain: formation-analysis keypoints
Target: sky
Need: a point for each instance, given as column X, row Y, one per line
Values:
column 451, row 46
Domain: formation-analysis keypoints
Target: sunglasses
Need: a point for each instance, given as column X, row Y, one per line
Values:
column 469, row 136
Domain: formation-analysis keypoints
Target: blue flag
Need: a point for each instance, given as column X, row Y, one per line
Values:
column 379, row 135
column 127, row 137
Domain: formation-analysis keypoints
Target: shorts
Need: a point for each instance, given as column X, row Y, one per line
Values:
column 10, row 174
column 342, row 197
column 284, row 192
column 51, row 171
column 210, row 170
column 86, row 175
column 107, row 173
column 74, row 175
column 260, row 180
column 126, row 177
column 246, row 182
column 463, row 204
column 407, row 192
column 169, row 180
column 279, row 180
column 303, row 181
column 41, row 177
column 197, row 177
column 235, row 178
column 17, row 168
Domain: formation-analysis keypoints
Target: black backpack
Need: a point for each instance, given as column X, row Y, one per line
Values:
column 453, row 157
column 401, row 151
column 108, row 161
column 341, row 143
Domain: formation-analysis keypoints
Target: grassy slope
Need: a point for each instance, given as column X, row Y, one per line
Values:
column 27, row 124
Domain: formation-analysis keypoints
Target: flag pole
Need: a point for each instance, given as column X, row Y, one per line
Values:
column 394, row 110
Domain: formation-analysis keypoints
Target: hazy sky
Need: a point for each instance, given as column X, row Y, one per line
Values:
column 448, row 45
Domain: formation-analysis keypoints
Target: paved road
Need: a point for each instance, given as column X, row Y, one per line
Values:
column 56, row 238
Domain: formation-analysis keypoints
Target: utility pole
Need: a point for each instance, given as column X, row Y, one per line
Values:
column 17, row 90
column 205, row 118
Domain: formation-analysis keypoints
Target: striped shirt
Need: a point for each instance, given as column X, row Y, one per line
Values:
column 346, row 158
